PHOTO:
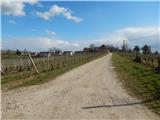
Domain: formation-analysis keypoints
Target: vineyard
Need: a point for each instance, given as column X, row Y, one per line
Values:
column 18, row 64
column 22, row 68
column 151, row 60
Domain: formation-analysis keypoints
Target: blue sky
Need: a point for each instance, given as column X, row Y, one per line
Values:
column 39, row 25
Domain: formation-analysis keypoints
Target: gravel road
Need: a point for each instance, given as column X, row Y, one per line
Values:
column 90, row 91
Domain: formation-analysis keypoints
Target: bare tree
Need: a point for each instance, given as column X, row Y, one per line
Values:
column 136, row 49
column 92, row 46
column 146, row 49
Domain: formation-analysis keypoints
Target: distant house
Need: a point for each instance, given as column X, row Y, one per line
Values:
column 44, row 54
column 96, row 49
column 67, row 53
column 34, row 54
column 103, row 48
column 57, row 53
column 87, row 49
column 78, row 52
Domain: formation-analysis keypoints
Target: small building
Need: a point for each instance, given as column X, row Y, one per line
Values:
column 44, row 54
column 56, row 53
column 96, row 49
column 78, row 52
column 34, row 54
column 68, row 53
column 87, row 49
column 103, row 48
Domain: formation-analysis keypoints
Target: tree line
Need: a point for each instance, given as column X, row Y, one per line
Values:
column 145, row 49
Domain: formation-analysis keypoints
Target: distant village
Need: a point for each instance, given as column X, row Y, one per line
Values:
column 55, row 52
column 91, row 49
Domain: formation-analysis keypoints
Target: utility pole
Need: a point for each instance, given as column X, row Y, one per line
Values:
column 126, row 45
column 123, row 47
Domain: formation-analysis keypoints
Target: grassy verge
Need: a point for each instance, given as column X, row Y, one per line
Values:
column 27, row 78
column 141, row 81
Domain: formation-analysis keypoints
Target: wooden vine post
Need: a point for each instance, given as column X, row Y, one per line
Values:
column 33, row 63
column 2, row 72
column 159, row 62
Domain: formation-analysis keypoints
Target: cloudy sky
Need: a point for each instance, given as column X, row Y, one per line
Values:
column 39, row 25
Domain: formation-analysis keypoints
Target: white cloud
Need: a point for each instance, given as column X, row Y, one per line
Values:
column 50, row 33
column 56, row 10
column 146, row 35
column 136, row 32
column 36, row 43
column 76, row 44
column 135, row 36
column 142, row 35
column 15, row 7
column 12, row 22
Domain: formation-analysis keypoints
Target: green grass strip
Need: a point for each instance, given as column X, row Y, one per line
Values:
column 141, row 81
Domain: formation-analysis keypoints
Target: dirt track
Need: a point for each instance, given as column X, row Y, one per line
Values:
column 91, row 91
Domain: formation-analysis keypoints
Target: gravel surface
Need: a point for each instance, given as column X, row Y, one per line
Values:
column 90, row 91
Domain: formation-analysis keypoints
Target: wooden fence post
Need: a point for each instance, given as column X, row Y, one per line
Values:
column 159, row 62
column 158, row 67
column 33, row 63
column 48, row 61
column 2, row 72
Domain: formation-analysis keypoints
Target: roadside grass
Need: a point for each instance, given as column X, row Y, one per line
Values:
column 27, row 78
column 141, row 81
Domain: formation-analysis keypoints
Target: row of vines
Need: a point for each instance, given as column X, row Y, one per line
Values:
column 43, row 64
column 151, row 60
